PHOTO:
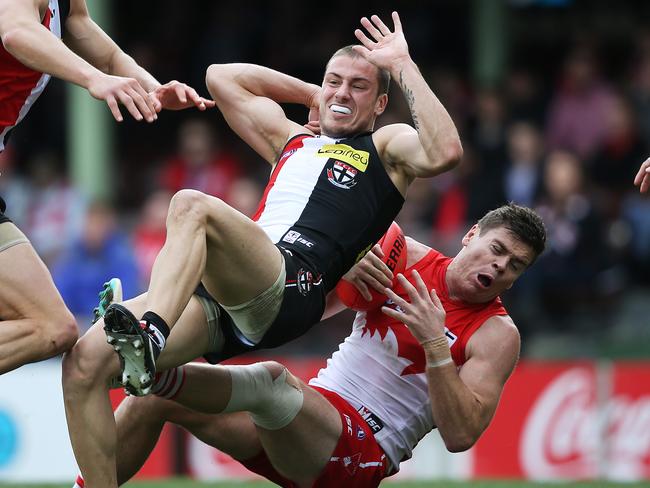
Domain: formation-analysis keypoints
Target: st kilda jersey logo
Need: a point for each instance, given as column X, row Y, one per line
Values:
column 342, row 175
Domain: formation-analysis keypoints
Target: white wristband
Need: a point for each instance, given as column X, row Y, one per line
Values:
column 442, row 362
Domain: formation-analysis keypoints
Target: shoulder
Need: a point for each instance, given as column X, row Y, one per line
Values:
column 498, row 336
column 415, row 251
column 383, row 136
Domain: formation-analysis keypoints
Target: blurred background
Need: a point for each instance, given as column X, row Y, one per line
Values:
column 551, row 99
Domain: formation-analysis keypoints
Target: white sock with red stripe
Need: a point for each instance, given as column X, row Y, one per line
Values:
column 168, row 383
column 79, row 483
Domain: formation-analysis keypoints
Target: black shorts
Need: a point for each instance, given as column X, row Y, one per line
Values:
column 3, row 207
column 302, row 307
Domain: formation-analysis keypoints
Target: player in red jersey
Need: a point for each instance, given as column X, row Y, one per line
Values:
column 436, row 355
column 35, row 322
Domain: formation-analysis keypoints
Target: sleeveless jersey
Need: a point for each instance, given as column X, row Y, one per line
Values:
column 380, row 368
column 20, row 86
column 328, row 200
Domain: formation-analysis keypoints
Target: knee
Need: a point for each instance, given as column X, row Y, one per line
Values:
column 189, row 206
column 274, row 368
column 59, row 332
column 149, row 408
column 85, row 366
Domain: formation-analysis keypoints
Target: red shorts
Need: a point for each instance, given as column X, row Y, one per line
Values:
column 357, row 461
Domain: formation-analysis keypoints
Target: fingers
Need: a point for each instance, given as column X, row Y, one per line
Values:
column 363, row 289
column 114, row 108
column 396, row 299
column 642, row 178
column 179, row 90
column 363, row 39
column 380, row 25
column 379, row 270
column 642, row 172
column 397, row 22
column 143, row 102
column 127, row 101
column 436, row 299
column 377, row 250
column 370, row 27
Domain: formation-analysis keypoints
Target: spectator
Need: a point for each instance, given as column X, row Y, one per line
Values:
column 577, row 115
column 100, row 253
column 201, row 163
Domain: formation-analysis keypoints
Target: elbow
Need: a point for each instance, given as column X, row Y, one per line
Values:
column 452, row 154
column 221, row 79
column 12, row 40
column 213, row 74
column 459, row 443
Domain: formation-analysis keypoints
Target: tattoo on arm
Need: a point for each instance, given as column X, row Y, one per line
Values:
column 410, row 100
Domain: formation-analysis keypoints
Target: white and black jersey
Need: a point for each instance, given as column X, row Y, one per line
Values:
column 329, row 200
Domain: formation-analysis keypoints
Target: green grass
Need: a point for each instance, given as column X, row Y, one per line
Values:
column 186, row 483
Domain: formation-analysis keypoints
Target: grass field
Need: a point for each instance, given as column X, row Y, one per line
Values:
column 185, row 483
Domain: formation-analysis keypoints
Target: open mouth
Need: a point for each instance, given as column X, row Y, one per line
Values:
column 340, row 109
column 485, row 280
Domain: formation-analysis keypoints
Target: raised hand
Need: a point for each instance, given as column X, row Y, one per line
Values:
column 423, row 315
column 386, row 49
column 178, row 96
column 642, row 178
column 115, row 90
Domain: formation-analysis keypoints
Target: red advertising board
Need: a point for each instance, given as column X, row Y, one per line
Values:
column 570, row 421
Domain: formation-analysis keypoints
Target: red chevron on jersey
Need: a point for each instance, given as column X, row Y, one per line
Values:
column 380, row 366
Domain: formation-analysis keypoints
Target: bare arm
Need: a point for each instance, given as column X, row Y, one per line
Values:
column 249, row 97
column 462, row 403
column 88, row 40
column 432, row 145
column 25, row 38
column 90, row 59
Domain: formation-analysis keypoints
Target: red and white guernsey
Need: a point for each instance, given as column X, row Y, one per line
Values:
column 380, row 368
column 20, row 86
column 329, row 200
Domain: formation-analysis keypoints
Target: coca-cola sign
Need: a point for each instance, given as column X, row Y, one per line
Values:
column 570, row 421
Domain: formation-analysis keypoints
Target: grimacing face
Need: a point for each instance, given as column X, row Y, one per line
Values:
column 349, row 103
column 489, row 263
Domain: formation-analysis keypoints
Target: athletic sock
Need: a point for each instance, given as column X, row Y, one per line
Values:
column 168, row 383
column 157, row 329
column 79, row 483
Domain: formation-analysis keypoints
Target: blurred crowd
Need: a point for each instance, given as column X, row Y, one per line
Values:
column 565, row 141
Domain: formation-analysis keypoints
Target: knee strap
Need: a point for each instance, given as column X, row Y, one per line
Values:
column 272, row 403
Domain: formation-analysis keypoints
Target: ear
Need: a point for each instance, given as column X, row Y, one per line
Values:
column 380, row 104
column 474, row 231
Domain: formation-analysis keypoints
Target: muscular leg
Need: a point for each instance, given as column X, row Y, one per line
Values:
column 87, row 370
column 140, row 421
column 208, row 239
column 301, row 449
column 35, row 324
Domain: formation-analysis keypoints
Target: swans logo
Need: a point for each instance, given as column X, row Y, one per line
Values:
column 8, row 438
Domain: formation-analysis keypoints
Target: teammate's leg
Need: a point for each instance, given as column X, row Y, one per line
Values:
column 89, row 368
column 297, row 427
column 206, row 241
column 35, row 324
column 140, row 421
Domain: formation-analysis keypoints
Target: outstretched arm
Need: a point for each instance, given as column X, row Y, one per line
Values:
column 90, row 59
column 462, row 403
column 432, row 145
column 249, row 96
